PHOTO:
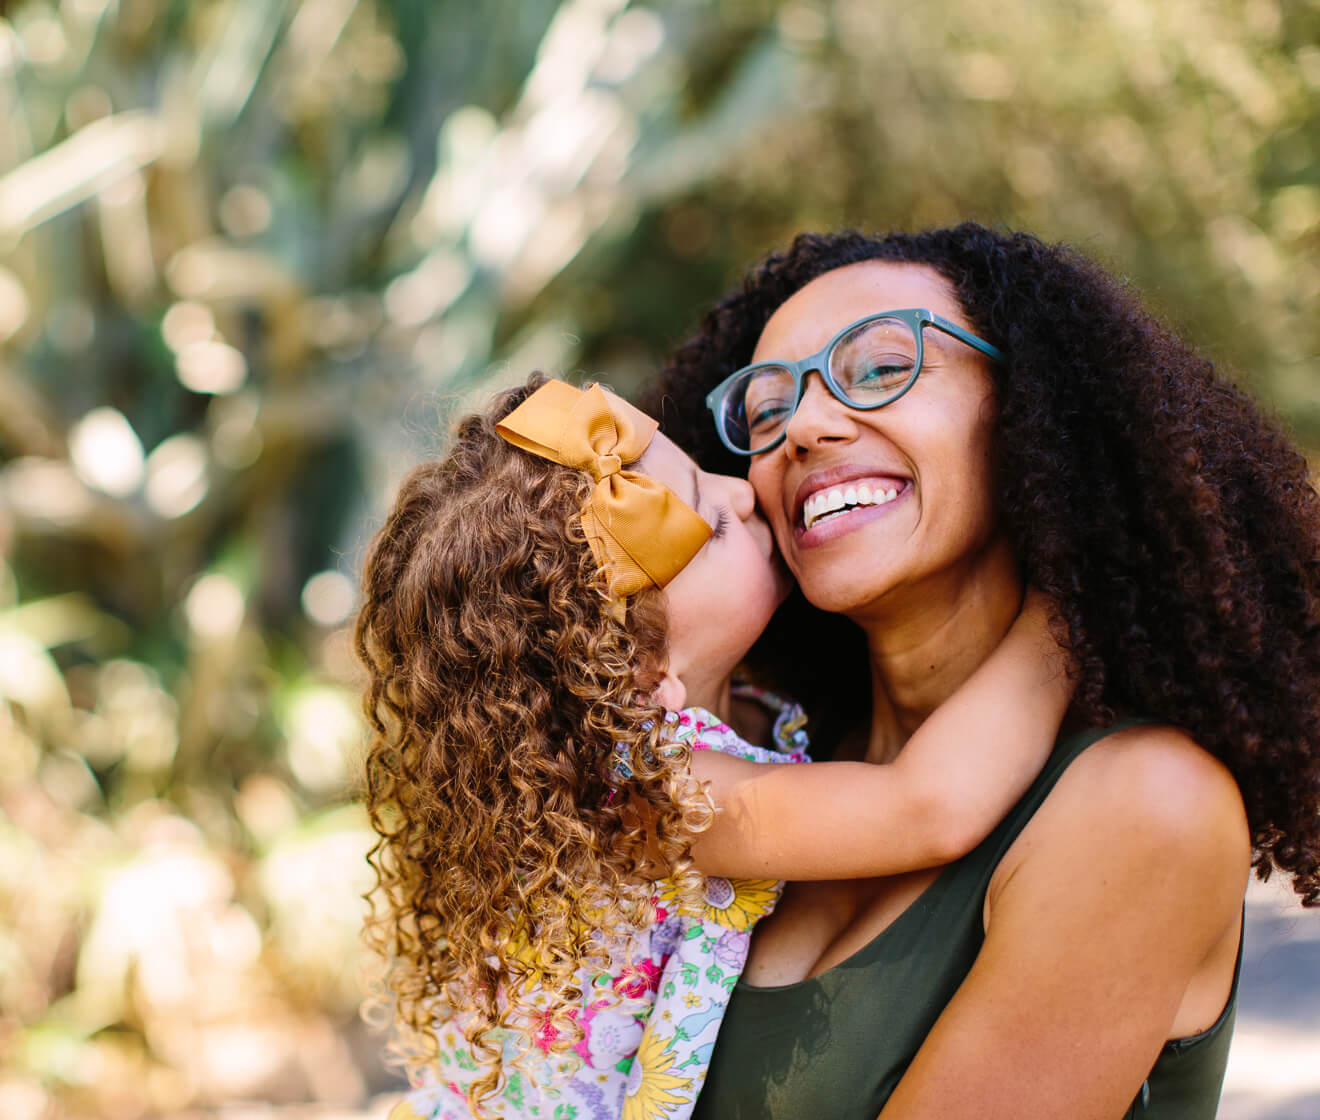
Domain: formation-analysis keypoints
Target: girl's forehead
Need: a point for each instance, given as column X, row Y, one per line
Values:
column 666, row 462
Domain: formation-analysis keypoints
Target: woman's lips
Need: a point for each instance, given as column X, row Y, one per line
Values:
column 822, row 487
column 837, row 500
column 836, row 510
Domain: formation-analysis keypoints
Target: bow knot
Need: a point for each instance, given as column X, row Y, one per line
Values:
column 605, row 465
column 641, row 533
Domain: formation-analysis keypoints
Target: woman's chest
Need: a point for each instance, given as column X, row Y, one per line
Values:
column 881, row 959
column 819, row 925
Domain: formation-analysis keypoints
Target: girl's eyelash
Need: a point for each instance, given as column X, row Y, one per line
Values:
column 721, row 523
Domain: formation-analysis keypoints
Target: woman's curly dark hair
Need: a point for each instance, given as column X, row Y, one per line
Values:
column 1177, row 528
column 501, row 684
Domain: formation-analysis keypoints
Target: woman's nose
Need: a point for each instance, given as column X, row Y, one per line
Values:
column 819, row 418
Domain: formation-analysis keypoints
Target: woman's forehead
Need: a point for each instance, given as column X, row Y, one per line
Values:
column 814, row 314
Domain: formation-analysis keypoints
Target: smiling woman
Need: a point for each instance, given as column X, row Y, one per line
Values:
column 1040, row 428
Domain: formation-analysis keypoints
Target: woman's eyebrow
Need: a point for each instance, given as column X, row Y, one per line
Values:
column 696, row 489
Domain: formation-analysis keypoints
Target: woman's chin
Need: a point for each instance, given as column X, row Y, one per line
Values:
column 841, row 579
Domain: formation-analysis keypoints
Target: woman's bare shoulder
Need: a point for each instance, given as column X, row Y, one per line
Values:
column 1157, row 776
column 1149, row 792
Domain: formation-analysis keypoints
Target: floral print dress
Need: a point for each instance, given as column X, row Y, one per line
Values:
column 649, row 1032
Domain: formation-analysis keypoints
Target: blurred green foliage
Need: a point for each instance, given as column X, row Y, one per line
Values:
column 255, row 253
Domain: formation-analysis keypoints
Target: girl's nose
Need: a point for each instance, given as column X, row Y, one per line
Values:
column 734, row 493
column 742, row 498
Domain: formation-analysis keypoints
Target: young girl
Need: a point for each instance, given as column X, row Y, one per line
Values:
column 567, row 874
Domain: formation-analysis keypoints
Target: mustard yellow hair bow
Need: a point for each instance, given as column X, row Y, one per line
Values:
column 641, row 533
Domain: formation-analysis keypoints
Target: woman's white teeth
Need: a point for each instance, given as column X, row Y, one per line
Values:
column 825, row 503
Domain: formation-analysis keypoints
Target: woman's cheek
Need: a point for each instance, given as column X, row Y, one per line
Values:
column 767, row 482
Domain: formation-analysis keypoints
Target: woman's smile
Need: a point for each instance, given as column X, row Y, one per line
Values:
column 836, row 500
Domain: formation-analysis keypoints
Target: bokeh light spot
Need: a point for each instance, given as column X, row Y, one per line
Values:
column 214, row 607
column 211, row 367
column 245, row 211
column 323, row 731
column 44, row 41
column 187, row 322
column 46, row 490
column 107, row 453
column 328, row 598
column 176, row 475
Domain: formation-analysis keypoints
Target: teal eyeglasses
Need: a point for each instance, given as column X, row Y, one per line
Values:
column 868, row 364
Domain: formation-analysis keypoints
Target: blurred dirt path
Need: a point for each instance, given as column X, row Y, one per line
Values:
column 1274, row 1066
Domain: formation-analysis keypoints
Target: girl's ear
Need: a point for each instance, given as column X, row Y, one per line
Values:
column 670, row 693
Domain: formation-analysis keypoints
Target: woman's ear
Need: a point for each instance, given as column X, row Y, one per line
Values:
column 670, row 693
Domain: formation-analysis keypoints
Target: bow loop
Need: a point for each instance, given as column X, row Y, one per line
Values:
column 641, row 533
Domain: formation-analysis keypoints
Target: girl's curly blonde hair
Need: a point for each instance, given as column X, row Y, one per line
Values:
column 502, row 692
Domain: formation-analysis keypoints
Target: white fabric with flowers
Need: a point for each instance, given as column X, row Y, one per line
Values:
column 648, row 1035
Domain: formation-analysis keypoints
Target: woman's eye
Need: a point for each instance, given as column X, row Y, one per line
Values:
column 886, row 374
column 721, row 523
column 766, row 414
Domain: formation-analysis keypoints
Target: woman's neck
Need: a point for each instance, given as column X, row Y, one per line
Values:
column 925, row 646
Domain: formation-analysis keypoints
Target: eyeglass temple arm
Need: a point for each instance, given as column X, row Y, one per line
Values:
column 980, row 344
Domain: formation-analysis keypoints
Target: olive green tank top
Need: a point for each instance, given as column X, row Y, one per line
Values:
column 834, row 1046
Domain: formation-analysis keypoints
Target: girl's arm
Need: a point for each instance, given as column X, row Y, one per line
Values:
column 954, row 780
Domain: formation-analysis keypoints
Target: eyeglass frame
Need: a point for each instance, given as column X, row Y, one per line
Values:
column 916, row 318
